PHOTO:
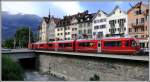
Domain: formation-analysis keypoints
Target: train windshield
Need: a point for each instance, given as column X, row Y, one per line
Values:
column 134, row 43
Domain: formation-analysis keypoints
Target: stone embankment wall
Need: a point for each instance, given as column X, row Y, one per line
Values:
column 82, row 68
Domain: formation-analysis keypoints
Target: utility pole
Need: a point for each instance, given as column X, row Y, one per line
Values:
column 14, row 42
column 29, row 37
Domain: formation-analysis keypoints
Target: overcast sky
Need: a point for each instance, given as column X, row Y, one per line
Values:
column 62, row 8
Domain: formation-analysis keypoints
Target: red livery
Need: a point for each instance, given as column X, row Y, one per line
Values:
column 105, row 45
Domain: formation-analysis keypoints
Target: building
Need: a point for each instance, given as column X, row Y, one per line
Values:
column 138, row 23
column 51, row 28
column 99, row 28
column 43, row 37
column 74, row 27
column 85, row 24
column 117, row 23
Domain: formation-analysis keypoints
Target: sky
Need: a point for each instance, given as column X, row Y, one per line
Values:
column 63, row 8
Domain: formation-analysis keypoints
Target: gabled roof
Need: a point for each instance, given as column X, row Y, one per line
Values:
column 46, row 19
column 98, row 12
column 138, row 5
column 117, row 7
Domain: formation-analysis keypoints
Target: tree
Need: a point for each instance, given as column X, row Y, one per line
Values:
column 22, row 37
column 8, row 43
column 11, row 70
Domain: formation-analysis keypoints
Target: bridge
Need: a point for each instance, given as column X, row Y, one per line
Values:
column 27, row 53
column 82, row 66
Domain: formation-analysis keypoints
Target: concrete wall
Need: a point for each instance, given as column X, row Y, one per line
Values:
column 82, row 68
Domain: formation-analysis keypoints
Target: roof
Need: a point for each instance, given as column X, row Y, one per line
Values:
column 98, row 12
column 117, row 7
column 81, row 17
column 138, row 5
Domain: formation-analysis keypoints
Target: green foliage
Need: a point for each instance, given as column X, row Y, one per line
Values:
column 11, row 70
column 22, row 37
column 8, row 43
column 95, row 78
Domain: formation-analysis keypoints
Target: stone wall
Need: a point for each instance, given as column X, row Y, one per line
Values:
column 82, row 68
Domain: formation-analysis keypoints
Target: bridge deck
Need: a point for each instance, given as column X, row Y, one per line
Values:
column 113, row 56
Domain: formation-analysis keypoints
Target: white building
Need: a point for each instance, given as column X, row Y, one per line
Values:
column 117, row 23
column 51, row 28
column 74, row 27
column 99, row 28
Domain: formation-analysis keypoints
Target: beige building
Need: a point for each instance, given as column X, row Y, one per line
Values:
column 43, row 37
column 138, row 23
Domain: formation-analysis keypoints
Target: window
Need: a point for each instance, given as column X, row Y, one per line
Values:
column 87, row 44
column 136, row 29
column 61, row 33
column 41, row 45
column 136, row 21
column 57, row 29
column 130, row 29
column 142, row 29
column 127, row 43
column 50, row 45
column 68, row 33
column 142, row 20
column 112, row 43
column 96, row 27
column 89, row 31
column 84, row 31
column 58, row 34
column 80, row 31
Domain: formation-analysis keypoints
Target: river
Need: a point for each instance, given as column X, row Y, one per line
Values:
column 36, row 76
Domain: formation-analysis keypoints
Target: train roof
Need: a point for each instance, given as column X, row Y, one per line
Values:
column 110, row 38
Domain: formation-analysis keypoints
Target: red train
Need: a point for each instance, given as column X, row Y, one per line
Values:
column 105, row 45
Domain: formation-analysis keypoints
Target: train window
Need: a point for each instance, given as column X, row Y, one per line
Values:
column 127, row 43
column 41, row 44
column 112, row 43
column 133, row 43
column 61, row 45
column 50, row 45
column 67, row 45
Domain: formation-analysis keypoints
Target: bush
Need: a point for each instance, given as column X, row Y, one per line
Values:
column 11, row 70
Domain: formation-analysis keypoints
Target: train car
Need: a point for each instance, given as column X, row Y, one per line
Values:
column 42, row 46
column 120, row 46
column 68, row 46
column 52, row 46
column 89, row 46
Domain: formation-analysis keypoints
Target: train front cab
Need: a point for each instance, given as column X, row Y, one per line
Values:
column 120, row 46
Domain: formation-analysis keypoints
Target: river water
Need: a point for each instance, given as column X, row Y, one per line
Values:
column 36, row 76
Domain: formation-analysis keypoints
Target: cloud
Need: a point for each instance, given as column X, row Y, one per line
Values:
column 69, row 7
column 15, row 7
column 118, row 2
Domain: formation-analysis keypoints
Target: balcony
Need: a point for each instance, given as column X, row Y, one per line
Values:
column 139, row 24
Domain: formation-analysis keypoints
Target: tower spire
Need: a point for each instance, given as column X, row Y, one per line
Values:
column 49, row 14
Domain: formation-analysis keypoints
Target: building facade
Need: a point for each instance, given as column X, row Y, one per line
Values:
column 74, row 28
column 43, row 30
column 85, row 25
column 51, row 28
column 117, row 23
column 99, row 28
column 138, row 23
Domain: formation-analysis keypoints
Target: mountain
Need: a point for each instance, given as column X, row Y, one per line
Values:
column 10, row 23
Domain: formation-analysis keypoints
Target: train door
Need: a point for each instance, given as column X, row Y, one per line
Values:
column 99, row 47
